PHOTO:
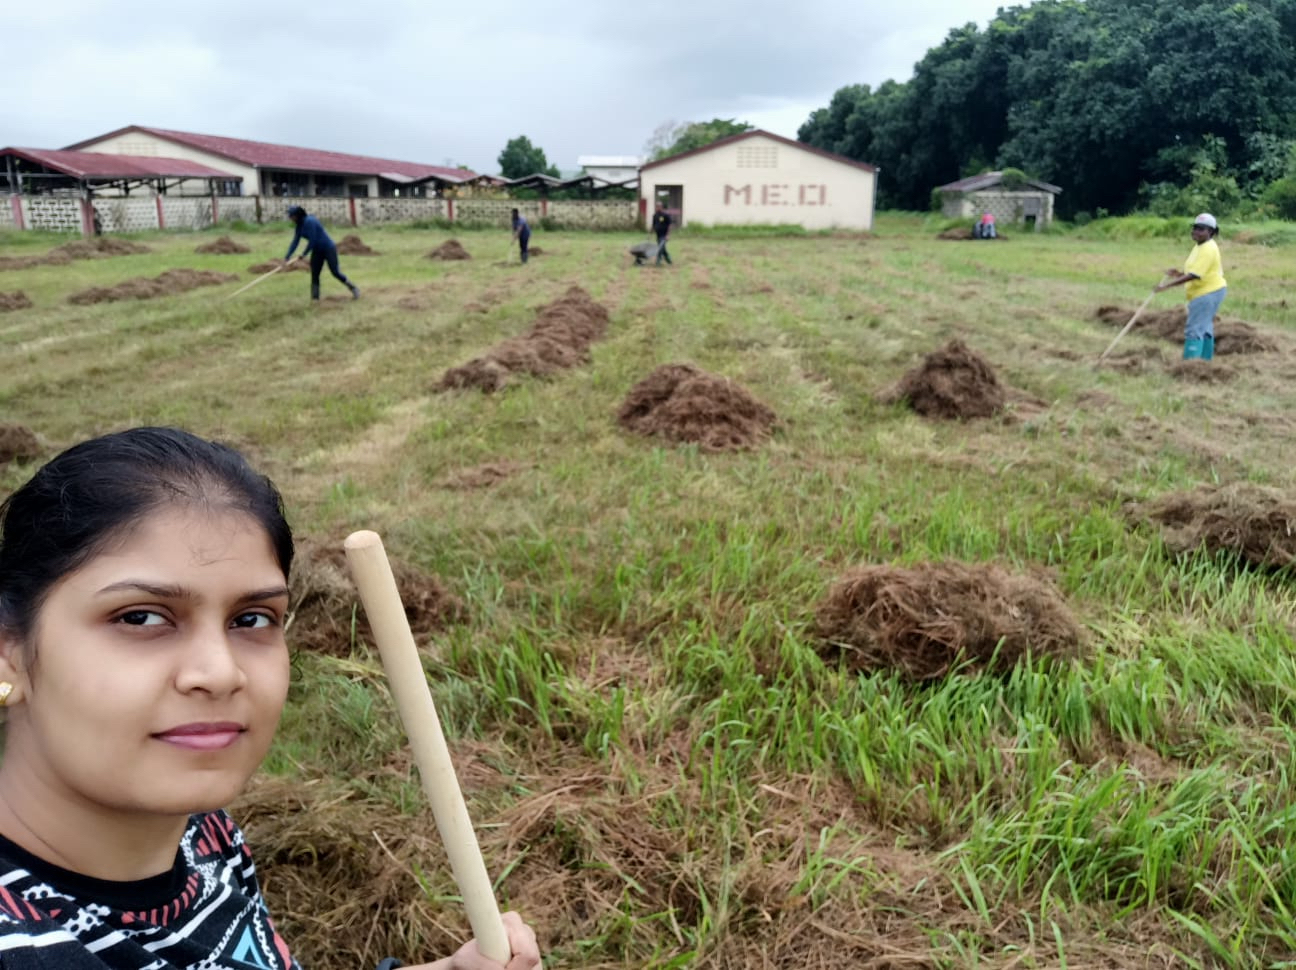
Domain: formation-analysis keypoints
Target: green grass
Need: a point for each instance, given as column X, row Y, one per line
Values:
column 638, row 669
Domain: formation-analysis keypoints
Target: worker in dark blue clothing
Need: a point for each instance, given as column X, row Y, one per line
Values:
column 319, row 247
column 522, row 233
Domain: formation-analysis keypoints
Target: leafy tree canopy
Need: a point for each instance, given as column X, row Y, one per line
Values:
column 1117, row 101
column 520, row 158
column 674, row 139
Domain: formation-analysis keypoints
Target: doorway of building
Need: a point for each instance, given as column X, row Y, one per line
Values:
column 672, row 198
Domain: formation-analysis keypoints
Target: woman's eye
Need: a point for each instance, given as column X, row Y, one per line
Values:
column 141, row 618
column 252, row 621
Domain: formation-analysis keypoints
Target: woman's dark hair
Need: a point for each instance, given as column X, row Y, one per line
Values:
column 95, row 491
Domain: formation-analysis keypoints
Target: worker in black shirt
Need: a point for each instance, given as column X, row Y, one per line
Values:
column 661, row 223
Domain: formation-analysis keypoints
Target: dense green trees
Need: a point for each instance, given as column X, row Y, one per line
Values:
column 520, row 158
column 1124, row 103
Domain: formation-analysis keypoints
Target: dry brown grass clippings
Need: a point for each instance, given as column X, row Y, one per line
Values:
column 1254, row 523
column 451, row 249
column 1231, row 336
column 16, row 300
column 952, row 383
column 100, row 247
column 352, row 245
column 1134, row 360
column 18, row 442
column 558, row 340
column 924, row 620
column 1201, row 372
column 682, row 403
column 480, row 476
column 296, row 266
column 171, row 282
column 224, row 246
column 340, row 875
column 326, row 607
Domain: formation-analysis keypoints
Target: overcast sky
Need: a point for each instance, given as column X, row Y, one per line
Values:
column 451, row 83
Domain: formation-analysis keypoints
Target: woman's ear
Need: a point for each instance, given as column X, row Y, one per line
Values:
column 13, row 668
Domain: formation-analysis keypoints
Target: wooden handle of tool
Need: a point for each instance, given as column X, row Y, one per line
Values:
column 382, row 604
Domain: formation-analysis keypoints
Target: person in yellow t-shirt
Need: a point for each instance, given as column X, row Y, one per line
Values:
column 1203, row 278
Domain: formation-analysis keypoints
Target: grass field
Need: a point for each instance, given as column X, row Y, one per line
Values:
column 664, row 771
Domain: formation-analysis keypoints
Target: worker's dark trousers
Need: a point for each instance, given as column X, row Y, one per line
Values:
column 318, row 258
column 661, row 251
column 524, row 242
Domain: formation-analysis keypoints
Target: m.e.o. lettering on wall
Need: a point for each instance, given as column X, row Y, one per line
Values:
column 807, row 194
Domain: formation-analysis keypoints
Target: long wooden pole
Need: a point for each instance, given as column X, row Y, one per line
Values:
column 382, row 604
column 263, row 276
column 1137, row 313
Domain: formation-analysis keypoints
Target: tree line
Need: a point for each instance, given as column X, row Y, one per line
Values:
column 1160, row 105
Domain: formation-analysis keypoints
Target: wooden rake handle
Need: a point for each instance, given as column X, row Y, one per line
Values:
column 382, row 605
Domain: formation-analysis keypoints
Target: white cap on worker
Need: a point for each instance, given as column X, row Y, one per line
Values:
column 1207, row 220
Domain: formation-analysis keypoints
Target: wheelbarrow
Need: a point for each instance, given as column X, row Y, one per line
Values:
column 644, row 251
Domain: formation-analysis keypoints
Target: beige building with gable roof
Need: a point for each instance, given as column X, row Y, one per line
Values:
column 759, row 178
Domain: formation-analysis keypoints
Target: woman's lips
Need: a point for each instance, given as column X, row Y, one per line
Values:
column 203, row 736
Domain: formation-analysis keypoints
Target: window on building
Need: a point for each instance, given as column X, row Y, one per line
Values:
column 758, row 156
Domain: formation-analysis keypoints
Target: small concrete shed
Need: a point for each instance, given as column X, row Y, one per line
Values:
column 1011, row 200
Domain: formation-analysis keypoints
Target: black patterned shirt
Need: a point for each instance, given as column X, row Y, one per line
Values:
column 207, row 913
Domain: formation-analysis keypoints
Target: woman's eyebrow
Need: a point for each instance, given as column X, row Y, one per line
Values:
column 144, row 586
column 180, row 593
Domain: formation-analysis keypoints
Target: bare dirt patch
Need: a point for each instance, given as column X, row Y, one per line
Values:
column 170, row 283
column 353, row 245
column 224, row 246
column 101, row 247
column 16, row 300
column 481, row 476
column 451, row 249
column 924, row 620
column 18, row 442
column 1231, row 336
column 683, row 403
column 952, row 383
column 1254, row 523
column 559, row 339
column 326, row 606
column 957, row 233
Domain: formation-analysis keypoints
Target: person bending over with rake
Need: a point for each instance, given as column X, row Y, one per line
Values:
column 143, row 669
column 320, row 249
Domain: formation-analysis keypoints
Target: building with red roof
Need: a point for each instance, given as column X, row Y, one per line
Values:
column 262, row 168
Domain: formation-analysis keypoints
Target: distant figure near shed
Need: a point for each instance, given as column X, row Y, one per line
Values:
column 985, row 229
column 661, row 223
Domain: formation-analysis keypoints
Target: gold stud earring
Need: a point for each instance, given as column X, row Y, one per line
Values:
column 6, row 689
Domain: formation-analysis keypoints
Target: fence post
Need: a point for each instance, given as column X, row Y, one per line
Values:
column 161, row 219
column 215, row 210
column 15, row 203
column 449, row 210
column 351, row 200
column 87, row 216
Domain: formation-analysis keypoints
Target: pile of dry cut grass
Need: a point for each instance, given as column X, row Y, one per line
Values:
column 326, row 615
column 680, row 402
column 925, row 620
column 1254, row 523
column 953, row 382
column 558, row 340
